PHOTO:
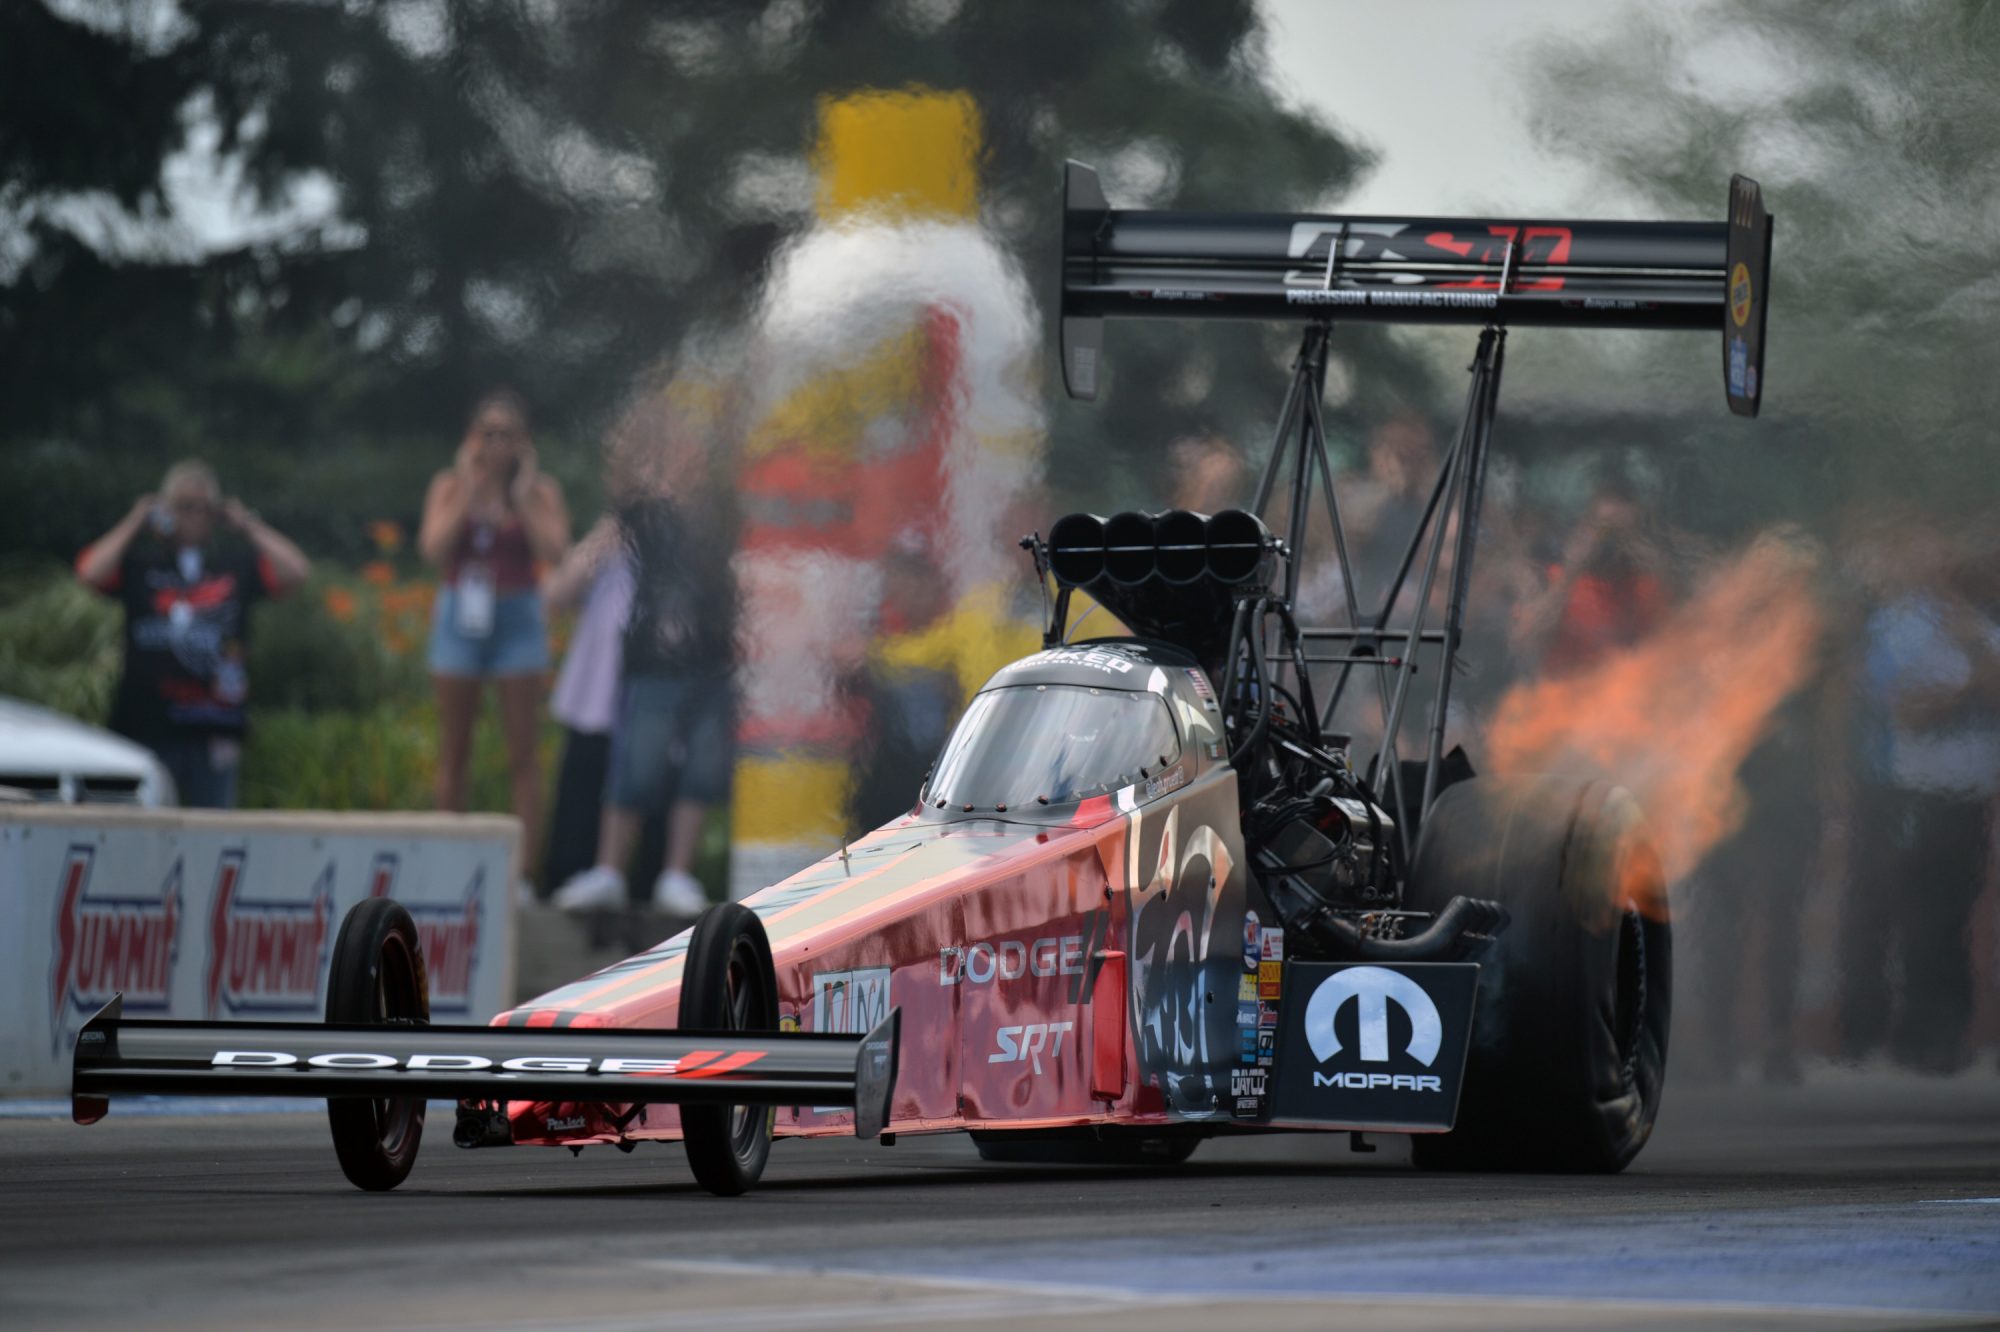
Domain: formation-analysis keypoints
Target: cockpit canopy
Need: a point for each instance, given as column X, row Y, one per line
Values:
column 1021, row 746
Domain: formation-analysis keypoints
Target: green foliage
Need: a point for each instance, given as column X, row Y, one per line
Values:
column 59, row 643
column 555, row 195
column 383, row 758
column 303, row 658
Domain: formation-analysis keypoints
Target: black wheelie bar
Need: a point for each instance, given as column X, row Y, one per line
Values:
column 117, row 1056
column 1133, row 264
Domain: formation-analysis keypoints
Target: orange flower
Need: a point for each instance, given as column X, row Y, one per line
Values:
column 378, row 572
column 340, row 604
column 387, row 536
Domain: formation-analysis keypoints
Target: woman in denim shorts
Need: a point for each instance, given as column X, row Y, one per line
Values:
column 487, row 522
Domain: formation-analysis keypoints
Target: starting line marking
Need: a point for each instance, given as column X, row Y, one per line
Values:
column 1112, row 1297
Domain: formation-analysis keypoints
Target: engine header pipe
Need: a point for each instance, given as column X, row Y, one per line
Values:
column 1130, row 548
column 1239, row 548
column 1182, row 544
column 1076, row 549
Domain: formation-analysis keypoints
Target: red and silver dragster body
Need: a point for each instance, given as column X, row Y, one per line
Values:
column 1072, row 962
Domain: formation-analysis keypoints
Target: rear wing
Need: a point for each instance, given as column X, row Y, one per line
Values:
column 120, row 1056
column 1138, row 264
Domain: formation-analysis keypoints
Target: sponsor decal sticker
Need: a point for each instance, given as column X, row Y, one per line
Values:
column 1270, row 980
column 701, row 1064
column 1423, row 300
column 983, row 963
column 1274, row 943
column 850, row 1002
column 1246, row 987
column 1246, row 1014
column 1253, row 942
column 1375, row 1043
column 1740, row 294
column 1026, row 1044
column 1110, row 661
column 1373, row 990
column 1739, row 367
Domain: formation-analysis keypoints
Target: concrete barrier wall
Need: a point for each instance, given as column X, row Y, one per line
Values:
column 219, row 916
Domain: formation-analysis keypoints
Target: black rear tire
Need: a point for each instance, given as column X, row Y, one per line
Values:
column 377, row 978
column 1569, row 1042
column 728, row 984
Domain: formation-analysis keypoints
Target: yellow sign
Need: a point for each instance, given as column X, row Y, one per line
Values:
column 1739, row 295
column 899, row 155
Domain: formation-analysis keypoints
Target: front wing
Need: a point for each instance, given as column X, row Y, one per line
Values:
column 120, row 1056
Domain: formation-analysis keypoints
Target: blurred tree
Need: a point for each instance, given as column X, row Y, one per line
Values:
column 428, row 197
column 1875, row 130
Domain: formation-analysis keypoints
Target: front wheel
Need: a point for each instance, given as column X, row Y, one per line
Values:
column 377, row 979
column 1569, row 1041
column 728, row 984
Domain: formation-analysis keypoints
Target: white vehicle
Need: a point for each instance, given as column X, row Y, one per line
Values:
column 47, row 757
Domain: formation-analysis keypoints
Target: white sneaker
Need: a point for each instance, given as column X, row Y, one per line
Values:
column 679, row 892
column 599, row 886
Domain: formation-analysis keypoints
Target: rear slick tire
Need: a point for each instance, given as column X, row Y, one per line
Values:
column 1569, row 1041
column 377, row 978
column 728, row 984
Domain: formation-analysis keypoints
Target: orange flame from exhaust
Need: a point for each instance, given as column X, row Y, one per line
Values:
column 1673, row 717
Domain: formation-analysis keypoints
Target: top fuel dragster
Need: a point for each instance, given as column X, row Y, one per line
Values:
column 1144, row 895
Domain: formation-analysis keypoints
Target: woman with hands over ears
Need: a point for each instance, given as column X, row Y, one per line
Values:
column 488, row 522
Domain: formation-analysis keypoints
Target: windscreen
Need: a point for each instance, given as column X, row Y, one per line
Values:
column 1018, row 745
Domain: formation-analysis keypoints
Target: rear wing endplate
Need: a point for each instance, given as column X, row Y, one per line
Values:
column 1317, row 268
column 119, row 1056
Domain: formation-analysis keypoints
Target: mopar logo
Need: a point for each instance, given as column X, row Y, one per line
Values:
column 1373, row 989
column 1379, row 1081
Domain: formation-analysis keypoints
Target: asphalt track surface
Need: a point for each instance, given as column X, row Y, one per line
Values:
column 1855, row 1200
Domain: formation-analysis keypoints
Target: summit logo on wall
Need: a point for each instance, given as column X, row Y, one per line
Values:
column 110, row 943
column 448, row 931
column 1377, row 1045
column 266, row 955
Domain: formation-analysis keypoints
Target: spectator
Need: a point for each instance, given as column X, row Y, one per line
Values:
column 487, row 521
column 1928, row 705
column 596, row 575
column 673, row 748
column 1607, row 592
column 187, row 598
